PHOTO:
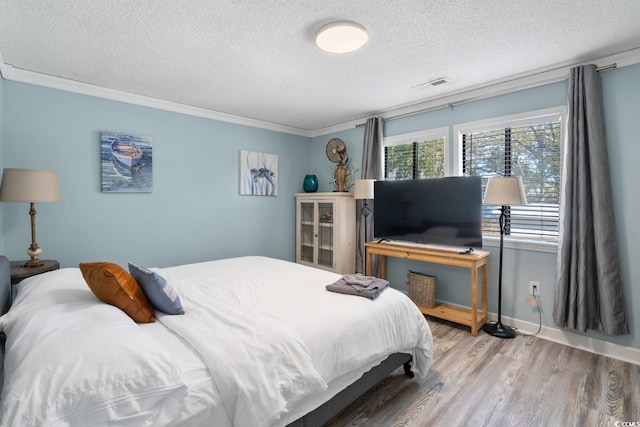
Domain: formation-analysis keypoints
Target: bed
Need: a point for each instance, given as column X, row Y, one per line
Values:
column 261, row 343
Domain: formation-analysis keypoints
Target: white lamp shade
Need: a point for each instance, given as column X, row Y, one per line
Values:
column 29, row 185
column 363, row 189
column 505, row 191
column 341, row 37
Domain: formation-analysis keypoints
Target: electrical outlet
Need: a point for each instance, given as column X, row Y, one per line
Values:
column 534, row 288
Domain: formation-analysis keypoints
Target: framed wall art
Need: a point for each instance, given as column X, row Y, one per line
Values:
column 126, row 162
column 258, row 173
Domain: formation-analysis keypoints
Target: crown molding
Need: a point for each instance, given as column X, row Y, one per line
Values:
column 338, row 128
column 5, row 69
column 530, row 79
column 44, row 80
column 534, row 78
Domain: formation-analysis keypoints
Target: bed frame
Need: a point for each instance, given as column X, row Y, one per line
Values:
column 5, row 299
column 330, row 409
column 5, row 284
column 317, row 417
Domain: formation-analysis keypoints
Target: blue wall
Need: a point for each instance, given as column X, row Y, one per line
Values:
column 622, row 109
column 195, row 211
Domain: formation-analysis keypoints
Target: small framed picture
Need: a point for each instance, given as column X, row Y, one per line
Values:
column 127, row 162
column 258, row 173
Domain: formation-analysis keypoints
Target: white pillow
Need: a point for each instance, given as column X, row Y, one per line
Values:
column 73, row 360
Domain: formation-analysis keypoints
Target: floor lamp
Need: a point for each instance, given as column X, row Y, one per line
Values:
column 503, row 191
column 363, row 190
column 30, row 186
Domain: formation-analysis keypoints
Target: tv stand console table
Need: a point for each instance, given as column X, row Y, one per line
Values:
column 441, row 255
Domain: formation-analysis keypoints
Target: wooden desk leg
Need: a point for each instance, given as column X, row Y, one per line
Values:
column 383, row 266
column 474, row 302
column 484, row 293
column 368, row 257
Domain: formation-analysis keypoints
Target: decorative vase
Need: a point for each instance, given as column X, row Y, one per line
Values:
column 310, row 184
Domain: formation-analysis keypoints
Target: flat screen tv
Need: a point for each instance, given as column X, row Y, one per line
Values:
column 441, row 211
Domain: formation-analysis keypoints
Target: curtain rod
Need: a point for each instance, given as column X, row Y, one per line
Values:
column 607, row 67
column 477, row 98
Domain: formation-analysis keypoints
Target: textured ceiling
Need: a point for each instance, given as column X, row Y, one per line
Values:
column 257, row 59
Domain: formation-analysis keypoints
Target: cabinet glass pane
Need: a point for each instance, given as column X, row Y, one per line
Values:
column 306, row 235
column 307, row 232
column 325, row 257
column 306, row 242
column 306, row 213
column 325, row 234
column 325, row 211
column 306, row 253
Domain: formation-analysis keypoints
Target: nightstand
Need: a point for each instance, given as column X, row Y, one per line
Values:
column 19, row 272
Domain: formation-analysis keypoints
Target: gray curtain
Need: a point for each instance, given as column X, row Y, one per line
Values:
column 589, row 287
column 371, row 169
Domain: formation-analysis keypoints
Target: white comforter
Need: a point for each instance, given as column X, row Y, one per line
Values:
column 269, row 333
column 274, row 335
column 259, row 364
column 73, row 361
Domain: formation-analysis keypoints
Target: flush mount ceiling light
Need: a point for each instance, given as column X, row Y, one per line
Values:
column 341, row 37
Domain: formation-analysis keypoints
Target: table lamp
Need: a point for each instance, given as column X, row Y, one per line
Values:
column 29, row 185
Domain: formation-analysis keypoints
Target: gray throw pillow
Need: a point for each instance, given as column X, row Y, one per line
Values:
column 162, row 296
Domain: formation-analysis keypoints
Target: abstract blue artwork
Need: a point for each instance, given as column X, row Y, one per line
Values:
column 258, row 174
column 126, row 162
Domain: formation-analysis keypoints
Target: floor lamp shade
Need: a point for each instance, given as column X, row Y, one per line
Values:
column 504, row 191
column 363, row 190
column 30, row 186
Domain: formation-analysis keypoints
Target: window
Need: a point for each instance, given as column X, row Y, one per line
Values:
column 416, row 155
column 524, row 145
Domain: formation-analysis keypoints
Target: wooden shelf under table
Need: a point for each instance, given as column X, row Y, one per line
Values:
column 475, row 318
column 459, row 315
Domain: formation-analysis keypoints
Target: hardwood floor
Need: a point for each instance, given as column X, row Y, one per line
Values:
column 488, row 381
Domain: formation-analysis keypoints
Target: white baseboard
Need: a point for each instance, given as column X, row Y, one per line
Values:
column 575, row 339
column 572, row 339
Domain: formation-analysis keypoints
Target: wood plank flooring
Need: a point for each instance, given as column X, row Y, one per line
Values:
column 488, row 381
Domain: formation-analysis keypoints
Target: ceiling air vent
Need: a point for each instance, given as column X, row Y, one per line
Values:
column 438, row 81
column 435, row 82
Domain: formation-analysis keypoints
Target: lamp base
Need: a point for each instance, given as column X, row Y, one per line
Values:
column 497, row 329
column 34, row 262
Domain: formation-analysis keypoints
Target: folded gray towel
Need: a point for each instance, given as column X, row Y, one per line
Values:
column 359, row 279
column 363, row 286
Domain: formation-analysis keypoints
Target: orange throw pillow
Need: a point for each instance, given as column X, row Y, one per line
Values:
column 114, row 285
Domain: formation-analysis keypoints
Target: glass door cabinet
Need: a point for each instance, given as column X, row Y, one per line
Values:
column 325, row 231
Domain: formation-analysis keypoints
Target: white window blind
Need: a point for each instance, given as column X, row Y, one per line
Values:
column 531, row 151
